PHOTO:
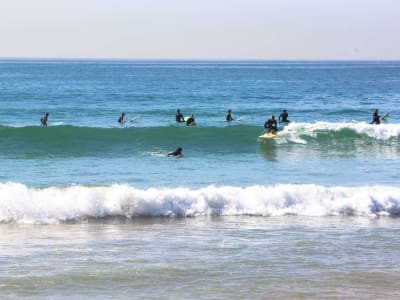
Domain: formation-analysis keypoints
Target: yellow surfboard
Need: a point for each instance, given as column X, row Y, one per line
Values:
column 268, row 135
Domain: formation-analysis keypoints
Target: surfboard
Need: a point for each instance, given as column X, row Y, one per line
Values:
column 134, row 118
column 284, row 123
column 268, row 135
column 385, row 116
column 191, row 124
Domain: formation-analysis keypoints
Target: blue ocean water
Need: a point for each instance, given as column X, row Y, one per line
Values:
column 329, row 181
column 329, row 141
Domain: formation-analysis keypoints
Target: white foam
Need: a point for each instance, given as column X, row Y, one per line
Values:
column 293, row 131
column 21, row 204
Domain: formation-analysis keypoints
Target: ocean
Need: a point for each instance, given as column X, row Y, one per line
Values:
column 91, row 208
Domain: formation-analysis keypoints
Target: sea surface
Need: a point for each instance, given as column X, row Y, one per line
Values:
column 91, row 208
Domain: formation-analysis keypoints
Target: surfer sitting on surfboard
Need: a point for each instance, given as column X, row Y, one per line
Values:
column 283, row 117
column 229, row 116
column 376, row 118
column 121, row 119
column 190, row 120
column 270, row 125
column 43, row 120
column 178, row 116
column 177, row 152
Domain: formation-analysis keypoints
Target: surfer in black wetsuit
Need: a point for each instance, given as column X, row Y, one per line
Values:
column 270, row 125
column 121, row 119
column 229, row 116
column 376, row 118
column 190, row 120
column 43, row 120
column 179, row 116
column 177, row 152
column 283, row 117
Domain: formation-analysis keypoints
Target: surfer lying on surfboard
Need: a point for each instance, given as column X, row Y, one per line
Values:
column 176, row 153
column 271, row 125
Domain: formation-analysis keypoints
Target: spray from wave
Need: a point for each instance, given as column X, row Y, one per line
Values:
column 320, row 131
column 21, row 204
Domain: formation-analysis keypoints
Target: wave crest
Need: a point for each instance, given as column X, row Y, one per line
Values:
column 300, row 132
column 21, row 204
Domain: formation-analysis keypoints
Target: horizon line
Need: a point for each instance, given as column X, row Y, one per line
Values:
column 197, row 59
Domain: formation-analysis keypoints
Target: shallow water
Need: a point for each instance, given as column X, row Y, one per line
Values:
column 203, row 257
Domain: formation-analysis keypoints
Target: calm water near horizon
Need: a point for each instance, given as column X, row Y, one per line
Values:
column 90, row 208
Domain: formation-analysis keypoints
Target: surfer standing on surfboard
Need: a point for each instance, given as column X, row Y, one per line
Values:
column 270, row 125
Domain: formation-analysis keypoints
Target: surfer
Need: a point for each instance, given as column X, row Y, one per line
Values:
column 121, row 119
column 376, row 118
column 178, row 116
column 190, row 120
column 43, row 120
column 176, row 153
column 270, row 125
column 283, row 117
column 229, row 116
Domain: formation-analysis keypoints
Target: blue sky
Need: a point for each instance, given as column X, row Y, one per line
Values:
column 202, row 29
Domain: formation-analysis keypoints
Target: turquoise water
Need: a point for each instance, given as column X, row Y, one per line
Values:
column 327, row 176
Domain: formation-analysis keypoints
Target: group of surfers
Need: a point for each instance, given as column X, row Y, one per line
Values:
column 271, row 125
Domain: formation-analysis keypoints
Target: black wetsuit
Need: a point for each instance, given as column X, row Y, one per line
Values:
column 283, row 117
column 229, row 117
column 43, row 120
column 179, row 117
column 376, row 119
column 177, row 152
column 271, row 125
column 190, row 121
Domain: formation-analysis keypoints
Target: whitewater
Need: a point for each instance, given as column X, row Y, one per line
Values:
column 77, row 203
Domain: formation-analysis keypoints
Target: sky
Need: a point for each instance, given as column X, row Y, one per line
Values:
column 201, row 29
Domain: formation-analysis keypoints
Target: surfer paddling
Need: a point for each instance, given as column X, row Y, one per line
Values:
column 176, row 153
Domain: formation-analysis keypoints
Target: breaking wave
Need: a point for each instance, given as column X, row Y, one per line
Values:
column 22, row 204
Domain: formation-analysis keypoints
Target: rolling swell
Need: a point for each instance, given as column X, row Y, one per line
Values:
column 72, row 141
